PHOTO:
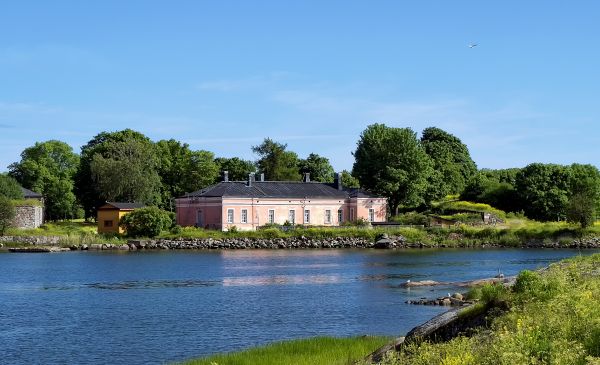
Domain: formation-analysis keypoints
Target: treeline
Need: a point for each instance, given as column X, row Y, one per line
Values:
column 411, row 172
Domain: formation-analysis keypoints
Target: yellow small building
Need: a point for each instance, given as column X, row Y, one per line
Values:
column 110, row 214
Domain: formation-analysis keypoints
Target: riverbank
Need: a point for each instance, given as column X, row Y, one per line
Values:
column 302, row 242
column 553, row 318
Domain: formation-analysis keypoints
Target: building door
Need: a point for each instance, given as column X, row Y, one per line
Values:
column 199, row 218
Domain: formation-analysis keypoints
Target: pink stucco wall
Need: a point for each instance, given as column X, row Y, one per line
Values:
column 214, row 211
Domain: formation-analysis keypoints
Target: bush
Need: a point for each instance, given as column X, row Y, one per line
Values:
column 146, row 222
column 412, row 219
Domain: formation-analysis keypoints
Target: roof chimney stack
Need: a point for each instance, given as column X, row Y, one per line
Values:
column 250, row 179
column 337, row 180
column 306, row 177
column 226, row 176
column 262, row 177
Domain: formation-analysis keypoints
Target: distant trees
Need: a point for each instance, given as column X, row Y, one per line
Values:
column 49, row 168
column 391, row 162
column 7, row 213
column 543, row 190
column 9, row 187
column 349, row 181
column 318, row 167
column 584, row 195
column 452, row 163
column 237, row 168
column 275, row 162
column 146, row 222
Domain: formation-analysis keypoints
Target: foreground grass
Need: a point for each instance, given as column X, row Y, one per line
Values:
column 312, row 351
column 554, row 319
column 70, row 232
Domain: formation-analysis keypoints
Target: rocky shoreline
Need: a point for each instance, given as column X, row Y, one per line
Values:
column 302, row 242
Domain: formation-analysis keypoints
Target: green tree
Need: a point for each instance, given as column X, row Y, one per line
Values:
column 487, row 188
column 9, row 187
column 318, row 167
column 182, row 170
column 451, row 159
column 146, row 222
column 584, row 194
column 127, row 172
column 543, row 190
column 7, row 213
column 85, row 187
column 391, row 162
column 275, row 162
column 349, row 181
column 237, row 168
column 49, row 168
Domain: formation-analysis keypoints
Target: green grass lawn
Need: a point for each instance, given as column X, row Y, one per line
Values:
column 312, row 351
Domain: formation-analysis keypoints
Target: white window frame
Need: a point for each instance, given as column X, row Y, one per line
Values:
column 327, row 216
column 371, row 215
column 352, row 218
column 244, row 216
column 340, row 215
column 292, row 216
column 271, row 216
column 306, row 216
column 229, row 216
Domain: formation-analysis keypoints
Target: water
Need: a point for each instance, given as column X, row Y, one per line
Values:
column 164, row 306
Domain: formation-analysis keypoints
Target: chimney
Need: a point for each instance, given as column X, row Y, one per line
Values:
column 250, row 179
column 226, row 176
column 306, row 177
column 262, row 177
column 337, row 181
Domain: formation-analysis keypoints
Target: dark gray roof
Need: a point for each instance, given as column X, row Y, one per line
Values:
column 126, row 206
column 28, row 194
column 359, row 193
column 273, row 189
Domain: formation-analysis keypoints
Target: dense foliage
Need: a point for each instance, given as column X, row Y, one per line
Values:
column 49, row 168
column 275, row 162
column 318, row 167
column 9, row 187
column 146, row 222
column 7, row 213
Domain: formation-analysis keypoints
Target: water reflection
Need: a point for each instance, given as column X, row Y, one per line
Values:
column 282, row 280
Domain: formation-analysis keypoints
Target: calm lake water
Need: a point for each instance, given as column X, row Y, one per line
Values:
column 165, row 306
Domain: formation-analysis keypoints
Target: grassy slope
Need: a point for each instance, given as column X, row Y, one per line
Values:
column 313, row 351
column 555, row 319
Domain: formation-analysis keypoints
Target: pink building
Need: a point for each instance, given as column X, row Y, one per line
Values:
column 251, row 204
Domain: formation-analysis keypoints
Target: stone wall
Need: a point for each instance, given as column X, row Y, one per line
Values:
column 28, row 216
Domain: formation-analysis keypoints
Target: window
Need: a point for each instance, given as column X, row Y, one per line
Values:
column 327, row 216
column 229, row 216
column 244, row 215
column 351, row 214
column 306, row 216
column 340, row 216
column 292, row 216
column 371, row 215
column 108, row 223
column 271, row 216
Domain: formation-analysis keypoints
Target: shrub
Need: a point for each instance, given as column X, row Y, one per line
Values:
column 10, row 188
column 412, row 218
column 146, row 222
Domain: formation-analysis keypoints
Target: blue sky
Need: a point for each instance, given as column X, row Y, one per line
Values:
column 223, row 75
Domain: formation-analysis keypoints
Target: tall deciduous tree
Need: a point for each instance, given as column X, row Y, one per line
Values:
column 451, row 159
column 584, row 194
column 543, row 190
column 7, row 213
column 182, row 170
column 391, row 162
column 349, row 181
column 9, row 187
column 49, row 168
column 127, row 172
column 318, row 167
column 237, row 168
column 85, row 187
column 275, row 162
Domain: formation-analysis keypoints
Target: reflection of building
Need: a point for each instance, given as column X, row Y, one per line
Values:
column 251, row 204
column 111, row 213
column 29, row 213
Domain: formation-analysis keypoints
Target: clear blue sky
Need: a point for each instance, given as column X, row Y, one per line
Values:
column 223, row 75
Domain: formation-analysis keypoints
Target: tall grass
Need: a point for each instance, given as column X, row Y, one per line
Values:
column 312, row 351
column 554, row 319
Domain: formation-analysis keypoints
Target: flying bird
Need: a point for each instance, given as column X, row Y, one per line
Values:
column 473, row 45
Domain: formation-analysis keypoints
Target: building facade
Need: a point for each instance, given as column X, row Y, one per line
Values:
column 111, row 213
column 250, row 204
column 29, row 213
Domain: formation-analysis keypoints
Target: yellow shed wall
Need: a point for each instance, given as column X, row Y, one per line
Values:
column 111, row 215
